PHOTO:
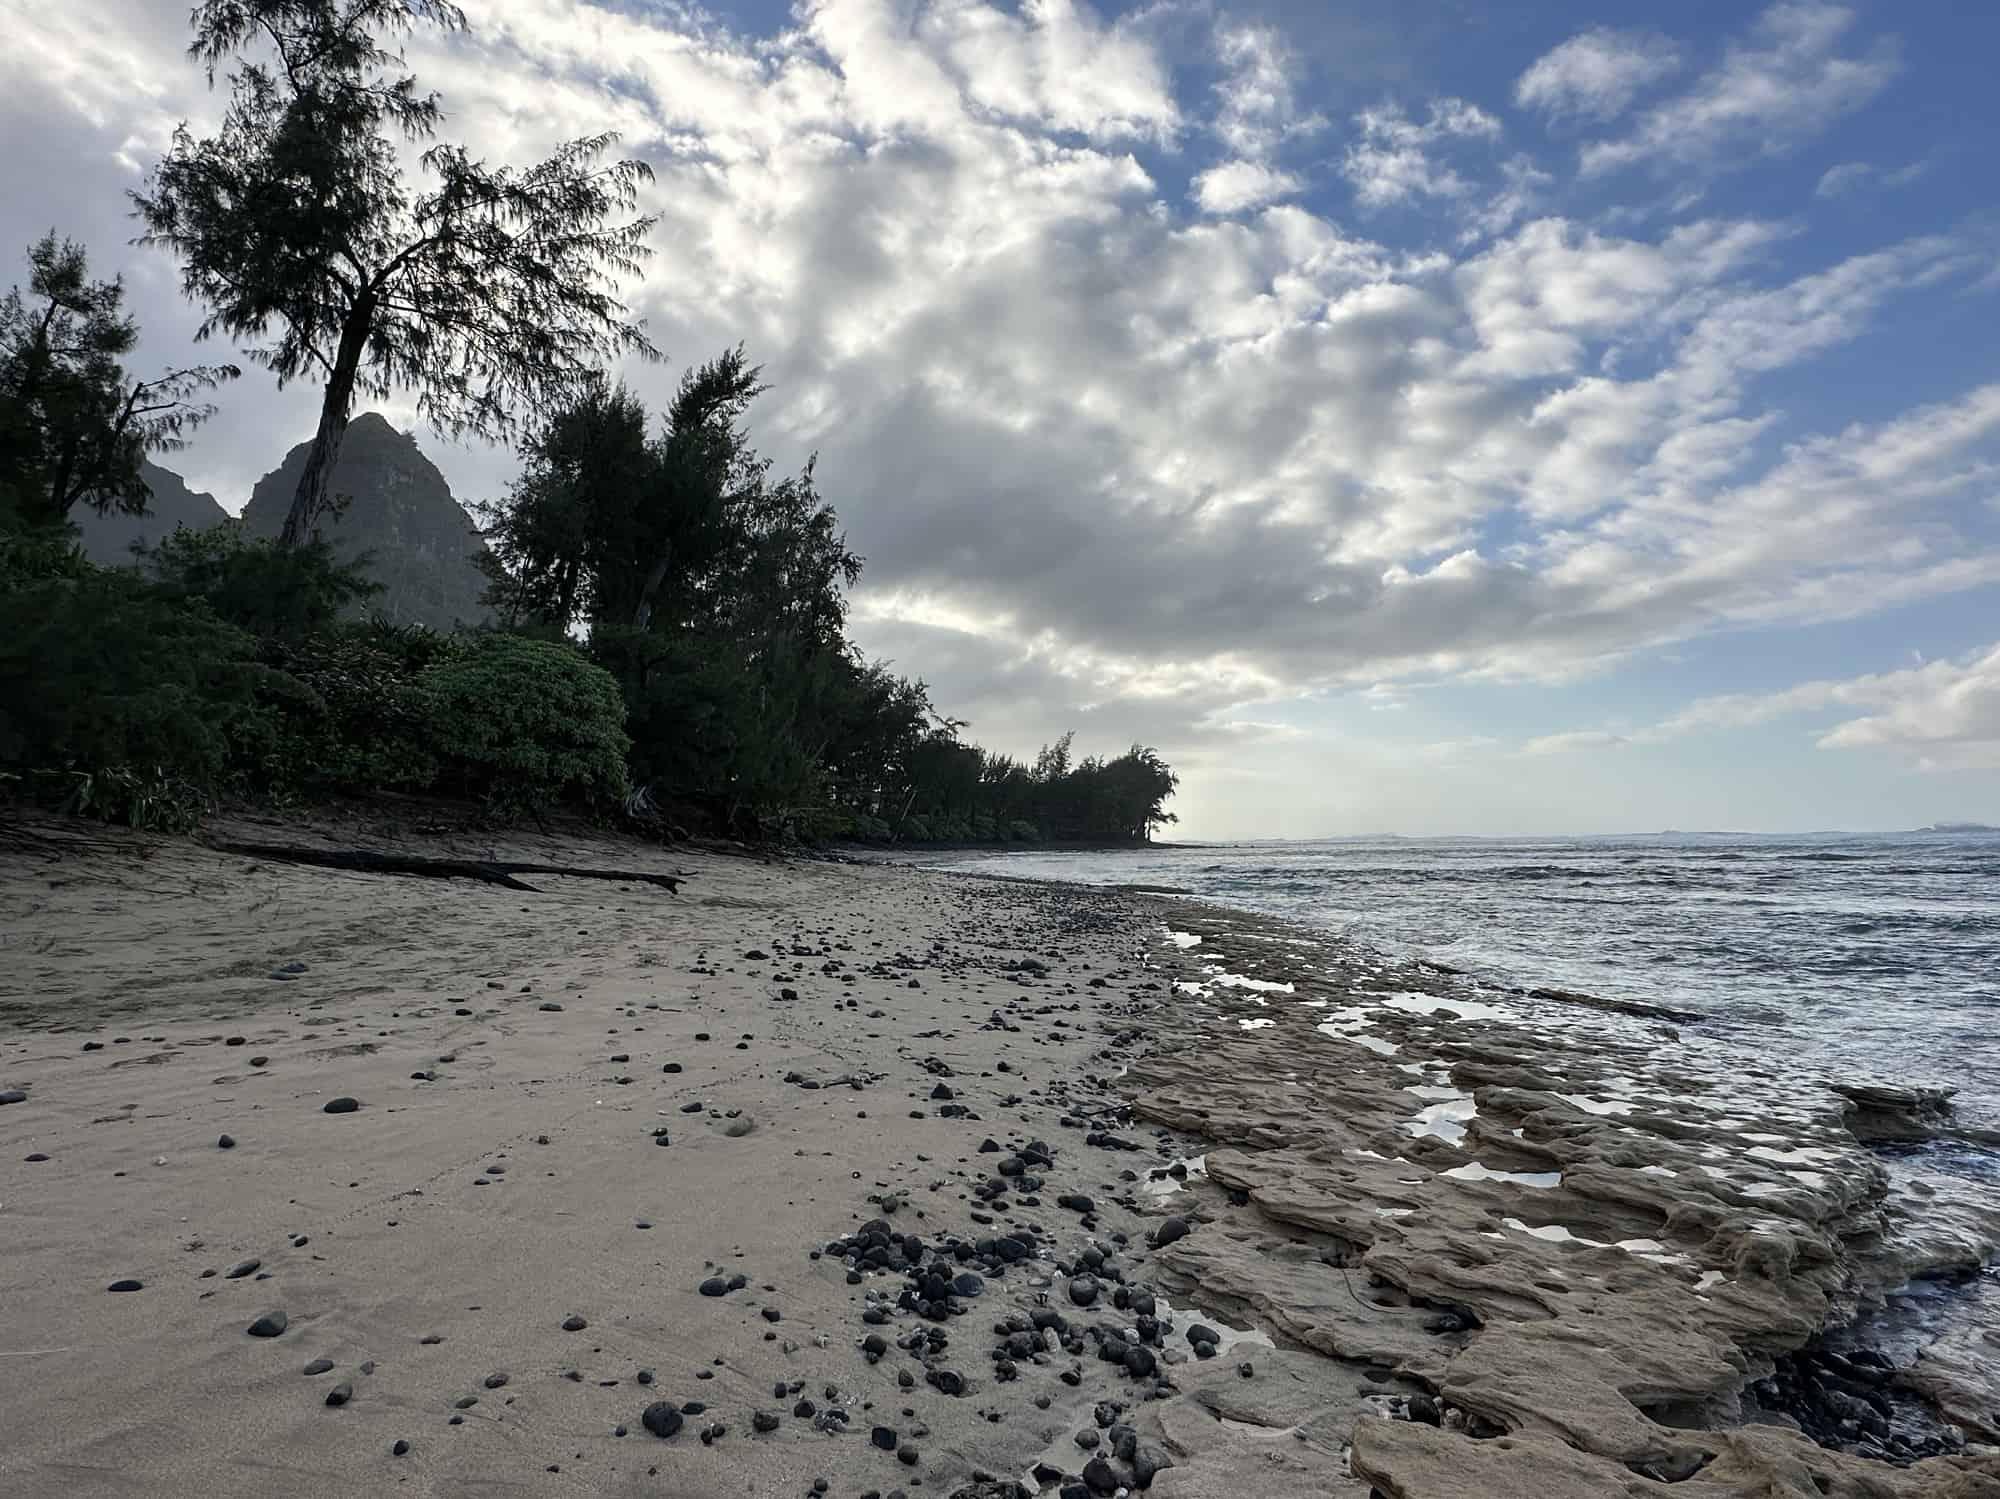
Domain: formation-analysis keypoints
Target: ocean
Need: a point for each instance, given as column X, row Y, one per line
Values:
column 1866, row 957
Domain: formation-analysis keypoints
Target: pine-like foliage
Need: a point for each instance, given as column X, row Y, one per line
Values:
column 485, row 293
column 74, row 427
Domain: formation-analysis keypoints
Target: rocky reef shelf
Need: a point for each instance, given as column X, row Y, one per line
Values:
column 1566, row 1249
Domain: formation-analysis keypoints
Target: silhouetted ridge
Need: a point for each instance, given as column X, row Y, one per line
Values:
column 398, row 507
column 108, row 539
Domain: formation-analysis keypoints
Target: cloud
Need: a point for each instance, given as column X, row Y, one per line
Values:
column 1455, row 751
column 1766, row 96
column 1257, row 104
column 1941, row 715
column 1395, row 157
column 1237, row 185
column 1945, row 716
column 1576, row 742
column 1597, row 74
column 1855, row 176
column 1141, row 466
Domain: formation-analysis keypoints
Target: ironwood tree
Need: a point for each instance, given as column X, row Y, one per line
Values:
column 488, row 293
column 75, row 428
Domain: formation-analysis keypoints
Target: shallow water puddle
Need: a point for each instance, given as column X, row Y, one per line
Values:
column 1473, row 1171
column 1600, row 1106
column 1196, row 1167
column 1238, row 981
column 1451, row 1008
column 1556, row 1233
column 1230, row 1336
column 1446, row 1120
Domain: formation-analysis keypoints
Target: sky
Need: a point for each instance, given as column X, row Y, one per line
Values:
column 1414, row 416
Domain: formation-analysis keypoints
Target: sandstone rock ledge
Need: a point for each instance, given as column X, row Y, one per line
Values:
column 1507, row 1247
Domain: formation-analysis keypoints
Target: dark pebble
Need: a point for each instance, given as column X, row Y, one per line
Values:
column 661, row 1419
column 225, row 1142
column 340, row 1106
column 268, row 1326
column 126, row 1285
column 340, row 1394
column 400, row 1448
column 574, row 1323
column 317, row 1366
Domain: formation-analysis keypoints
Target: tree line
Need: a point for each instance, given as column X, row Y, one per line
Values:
column 670, row 612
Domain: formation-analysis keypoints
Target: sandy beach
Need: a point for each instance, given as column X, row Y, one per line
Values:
column 857, row 1179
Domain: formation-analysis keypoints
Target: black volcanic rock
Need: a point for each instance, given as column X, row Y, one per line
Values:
column 108, row 539
column 397, row 507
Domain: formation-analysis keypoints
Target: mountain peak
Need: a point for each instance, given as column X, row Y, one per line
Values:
column 392, row 504
column 108, row 539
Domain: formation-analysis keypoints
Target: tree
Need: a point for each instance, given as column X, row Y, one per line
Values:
column 604, row 524
column 74, row 428
column 491, row 291
column 712, row 588
column 1052, row 764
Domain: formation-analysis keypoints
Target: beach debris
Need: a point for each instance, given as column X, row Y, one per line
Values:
column 492, row 872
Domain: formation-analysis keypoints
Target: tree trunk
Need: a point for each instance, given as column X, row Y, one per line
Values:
column 310, row 499
column 643, row 615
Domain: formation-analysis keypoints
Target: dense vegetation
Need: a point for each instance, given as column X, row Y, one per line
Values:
column 671, row 643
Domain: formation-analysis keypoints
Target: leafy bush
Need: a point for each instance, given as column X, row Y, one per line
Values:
column 37, row 556
column 526, row 723
column 135, row 704
column 274, row 592
column 356, row 713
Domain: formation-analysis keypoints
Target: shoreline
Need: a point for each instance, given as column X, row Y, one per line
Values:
column 890, row 1025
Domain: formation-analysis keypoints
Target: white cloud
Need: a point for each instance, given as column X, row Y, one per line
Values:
column 1940, row 715
column 1115, row 460
column 1395, row 157
column 1766, row 96
column 1855, row 176
column 1844, row 178
column 1452, row 751
column 1597, row 74
column 1576, row 742
column 1258, row 107
column 1945, row 716
column 1237, row 185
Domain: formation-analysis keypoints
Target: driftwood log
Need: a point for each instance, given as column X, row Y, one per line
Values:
column 491, row 871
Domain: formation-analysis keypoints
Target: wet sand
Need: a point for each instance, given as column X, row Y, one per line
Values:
column 1430, row 1232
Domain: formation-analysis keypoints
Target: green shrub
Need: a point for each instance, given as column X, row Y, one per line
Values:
column 37, row 556
column 274, row 592
column 356, row 715
column 526, row 723
column 134, row 705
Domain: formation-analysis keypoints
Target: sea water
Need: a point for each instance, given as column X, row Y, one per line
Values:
column 1871, row 958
